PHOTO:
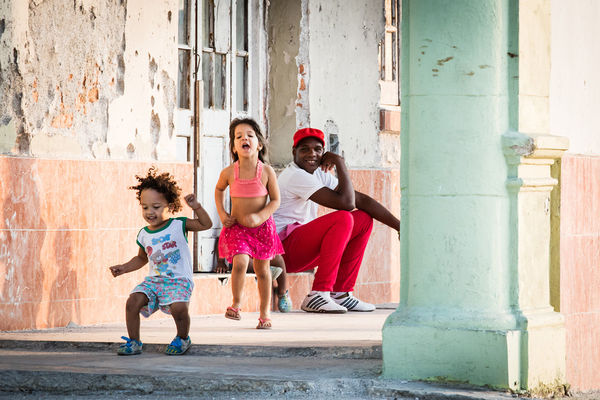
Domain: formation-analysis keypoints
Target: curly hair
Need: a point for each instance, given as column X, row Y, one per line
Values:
column 262, row 154
column 163, row 183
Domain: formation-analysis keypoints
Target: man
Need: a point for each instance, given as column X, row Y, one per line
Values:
column 334, row 242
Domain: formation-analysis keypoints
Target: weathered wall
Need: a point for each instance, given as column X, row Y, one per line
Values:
column 574, row 103
column 343, row 86
column 88, row 79
column 324, row 73
column 62, row 224
column 283, row 48
column 85, row 86
column 56, row 245
column 574, row 78
column 579, row 273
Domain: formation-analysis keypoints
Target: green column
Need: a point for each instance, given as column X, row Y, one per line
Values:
column 458, row 317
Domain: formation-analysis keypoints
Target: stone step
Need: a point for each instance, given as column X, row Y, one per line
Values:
column 304, row 356
column 84, row 373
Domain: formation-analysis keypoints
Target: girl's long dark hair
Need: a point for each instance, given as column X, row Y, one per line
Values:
column 262, row 153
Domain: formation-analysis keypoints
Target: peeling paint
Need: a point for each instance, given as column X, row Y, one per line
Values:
column 169, row 95
column 302, row 61
column 71, row 54
column 516, row 144
column 154, row 128
column 444, row 60
column 152, row 68
column 8, row 134
column 131, row 150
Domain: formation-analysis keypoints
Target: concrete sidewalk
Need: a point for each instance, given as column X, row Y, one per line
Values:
column 304, row 356
column 289, row 329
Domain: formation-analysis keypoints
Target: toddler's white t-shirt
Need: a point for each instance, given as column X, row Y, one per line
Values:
column 167, row 250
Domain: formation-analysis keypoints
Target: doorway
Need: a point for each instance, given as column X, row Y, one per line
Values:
column 221, row 77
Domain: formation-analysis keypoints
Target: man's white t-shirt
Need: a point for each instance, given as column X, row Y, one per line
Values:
column 296, row 186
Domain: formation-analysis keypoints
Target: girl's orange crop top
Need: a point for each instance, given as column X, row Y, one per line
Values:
column 247, row 187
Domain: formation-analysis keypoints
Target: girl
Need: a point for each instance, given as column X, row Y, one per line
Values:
column 249, row 231
column 163, row 243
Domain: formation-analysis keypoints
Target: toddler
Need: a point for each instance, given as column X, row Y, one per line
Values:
column 163, row 244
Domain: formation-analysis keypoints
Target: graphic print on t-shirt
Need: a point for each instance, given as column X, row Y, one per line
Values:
column 163, row 252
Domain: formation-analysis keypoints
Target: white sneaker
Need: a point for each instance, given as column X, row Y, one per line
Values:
column 351, row 303
column 321, row 302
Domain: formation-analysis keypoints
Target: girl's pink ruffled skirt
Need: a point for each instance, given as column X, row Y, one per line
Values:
column 261, row 243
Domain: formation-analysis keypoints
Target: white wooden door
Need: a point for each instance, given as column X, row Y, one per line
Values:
column 184, row 124
column 224, row 71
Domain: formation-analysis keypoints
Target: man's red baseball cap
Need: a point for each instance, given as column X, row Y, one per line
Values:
column 308, row 132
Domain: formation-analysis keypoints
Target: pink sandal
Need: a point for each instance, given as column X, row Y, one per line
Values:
column 264, row 323
column 233, row 313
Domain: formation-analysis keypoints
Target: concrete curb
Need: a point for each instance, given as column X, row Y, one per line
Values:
column 74, row 383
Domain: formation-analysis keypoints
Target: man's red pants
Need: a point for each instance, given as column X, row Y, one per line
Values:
column 335, row 243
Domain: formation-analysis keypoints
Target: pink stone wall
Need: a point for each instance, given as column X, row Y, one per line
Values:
column 580, row 268
column 379, row 278
column 64, row 222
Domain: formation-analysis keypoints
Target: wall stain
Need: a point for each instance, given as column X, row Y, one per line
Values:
column 154, row 127
column 444, row 60
column 170, row 91
column 120, row 75
column 130, row 150
column 12, row 84
column 152, row 68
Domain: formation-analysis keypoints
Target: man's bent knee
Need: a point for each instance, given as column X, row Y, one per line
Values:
column 362, row 219
column 344, row 218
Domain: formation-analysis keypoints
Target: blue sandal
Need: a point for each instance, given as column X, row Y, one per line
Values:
column 130, row 348
column 178, row 346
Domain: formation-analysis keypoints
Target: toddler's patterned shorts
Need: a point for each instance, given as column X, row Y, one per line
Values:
column 162, row 291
